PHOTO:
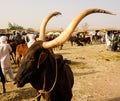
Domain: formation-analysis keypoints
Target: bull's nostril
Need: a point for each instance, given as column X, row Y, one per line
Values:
column 14, row 82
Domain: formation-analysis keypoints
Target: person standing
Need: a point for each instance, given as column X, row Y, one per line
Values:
column 5, row 62
column 115, row 42
column 108, row 40
column 32, row 40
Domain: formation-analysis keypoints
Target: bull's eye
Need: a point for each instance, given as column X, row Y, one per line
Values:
column 32, row 59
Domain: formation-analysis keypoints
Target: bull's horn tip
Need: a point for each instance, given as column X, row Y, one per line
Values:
column 114, row 14
column 60, row 13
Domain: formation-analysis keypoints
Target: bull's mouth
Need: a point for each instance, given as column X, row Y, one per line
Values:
column 18, row 84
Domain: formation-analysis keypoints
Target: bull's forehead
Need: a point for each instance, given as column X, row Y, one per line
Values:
column 32, row 53
column 37, row 46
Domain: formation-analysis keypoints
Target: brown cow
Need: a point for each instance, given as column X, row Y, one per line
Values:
column 20, row 51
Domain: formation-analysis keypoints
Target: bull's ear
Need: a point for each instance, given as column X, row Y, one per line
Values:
column 42, row 58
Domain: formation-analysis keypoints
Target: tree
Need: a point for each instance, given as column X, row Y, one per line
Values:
column 14, row 27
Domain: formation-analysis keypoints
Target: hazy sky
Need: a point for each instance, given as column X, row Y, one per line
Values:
column 29, row 13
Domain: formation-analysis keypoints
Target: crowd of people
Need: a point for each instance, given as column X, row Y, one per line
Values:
column 5, row 61
column 6, row 49
column 112, row 41
column 22, row 35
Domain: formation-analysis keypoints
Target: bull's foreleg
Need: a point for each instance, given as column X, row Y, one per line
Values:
column 4, row 89
column 38, row 99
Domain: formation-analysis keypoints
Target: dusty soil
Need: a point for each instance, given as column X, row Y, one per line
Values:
column 96, row 75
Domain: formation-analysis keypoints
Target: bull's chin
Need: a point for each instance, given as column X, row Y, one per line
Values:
column 18, row 84
column 21, row 83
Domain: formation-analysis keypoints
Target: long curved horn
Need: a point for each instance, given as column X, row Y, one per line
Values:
column 44, row 23
column 65, row 35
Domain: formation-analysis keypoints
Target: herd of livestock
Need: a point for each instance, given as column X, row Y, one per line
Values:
column 47, row 72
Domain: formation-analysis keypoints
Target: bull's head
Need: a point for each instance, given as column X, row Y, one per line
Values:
column 33, row 63
column 29, row 64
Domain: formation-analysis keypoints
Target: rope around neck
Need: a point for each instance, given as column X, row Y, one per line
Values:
column 42, row 91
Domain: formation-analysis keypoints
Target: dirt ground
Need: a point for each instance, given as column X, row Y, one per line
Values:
column 96, row 75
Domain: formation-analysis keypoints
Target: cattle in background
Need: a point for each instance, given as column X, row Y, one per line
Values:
column 13, row 44
column 98, row 36
column 2, row 79
column 86, row 40
column 20, row 51
column 52, row 35
column 80, row 41
column 75, row 40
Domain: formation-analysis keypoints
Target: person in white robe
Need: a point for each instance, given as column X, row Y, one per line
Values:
column 32, row 39
column 5, row 62
column 108, row 41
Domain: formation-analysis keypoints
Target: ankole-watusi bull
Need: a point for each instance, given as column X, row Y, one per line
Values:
column 46, row 72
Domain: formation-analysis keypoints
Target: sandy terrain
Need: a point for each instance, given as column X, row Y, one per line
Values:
column 96, row 75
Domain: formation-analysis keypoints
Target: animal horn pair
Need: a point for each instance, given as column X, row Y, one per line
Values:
column 65, row 35
column 44, row 23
